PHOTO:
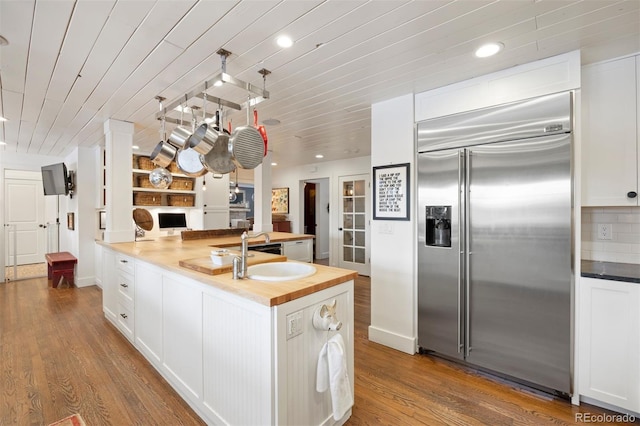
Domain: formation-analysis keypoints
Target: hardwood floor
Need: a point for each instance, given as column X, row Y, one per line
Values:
column 59, row 356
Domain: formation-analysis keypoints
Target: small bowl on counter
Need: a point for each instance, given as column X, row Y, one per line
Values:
column 221, row 257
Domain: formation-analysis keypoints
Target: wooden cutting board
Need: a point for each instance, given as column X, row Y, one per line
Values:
column 205, row 265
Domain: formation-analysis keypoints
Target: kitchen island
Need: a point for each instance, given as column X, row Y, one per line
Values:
column 238, row 351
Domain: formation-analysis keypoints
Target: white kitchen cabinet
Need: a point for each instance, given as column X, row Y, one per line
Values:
column 215, row 202
column 300, row 250
column 148, row 312
column 610, row 140
column 109, row 288
column 182, row 334
column 125, row 288
column 609, row 348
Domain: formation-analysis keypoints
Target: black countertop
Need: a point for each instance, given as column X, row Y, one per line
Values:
column 627, row 272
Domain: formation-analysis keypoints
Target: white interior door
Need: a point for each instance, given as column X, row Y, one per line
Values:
column 354, row 223
column 24, row 215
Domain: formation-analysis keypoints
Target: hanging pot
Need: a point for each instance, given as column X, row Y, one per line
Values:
column 180, row 137
column 219, row 159
column 199, row 140
column 188, row 162
column 247, row 147
column 163, row 154
column 261, row 130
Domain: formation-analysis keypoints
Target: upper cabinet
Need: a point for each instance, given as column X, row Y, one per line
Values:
column 610, row 142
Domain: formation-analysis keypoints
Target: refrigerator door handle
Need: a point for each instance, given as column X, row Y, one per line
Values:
column 467, row 250
column 461, row 206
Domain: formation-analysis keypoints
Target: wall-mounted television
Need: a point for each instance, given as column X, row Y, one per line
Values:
column 55, row 179
column 172, row 220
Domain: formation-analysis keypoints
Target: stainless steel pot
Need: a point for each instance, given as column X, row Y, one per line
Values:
column 247, row 147
column 163, row 154
column 188, row 162
column 180, row 137
column 219, row 159
column 198, row 141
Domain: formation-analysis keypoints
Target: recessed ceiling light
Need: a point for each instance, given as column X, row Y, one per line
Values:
column 284, row 41
column 489, row 49
column 271, row 121
column 3, row 119
column 274, row 164
column 135, row 147
column 319, row 156
column 2, row 143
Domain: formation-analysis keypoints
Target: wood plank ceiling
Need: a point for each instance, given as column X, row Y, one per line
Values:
column 71, row 65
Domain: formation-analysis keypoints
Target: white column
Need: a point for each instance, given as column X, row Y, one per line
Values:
column 262, row 196
column 119, row 200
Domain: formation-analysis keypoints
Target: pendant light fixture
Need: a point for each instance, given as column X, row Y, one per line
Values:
column 237, row 190
column 204, row 184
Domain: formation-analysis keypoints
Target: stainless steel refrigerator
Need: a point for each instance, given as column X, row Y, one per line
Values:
column 495, row 239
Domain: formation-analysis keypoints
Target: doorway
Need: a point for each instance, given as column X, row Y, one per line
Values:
column 28, row 235
column 354, row 223
column 316, row 215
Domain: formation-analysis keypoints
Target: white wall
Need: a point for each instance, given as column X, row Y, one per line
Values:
column 393, row 288
column 293, row 178
column 80, row 241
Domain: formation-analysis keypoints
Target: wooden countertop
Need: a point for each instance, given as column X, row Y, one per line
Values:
column 167, row 252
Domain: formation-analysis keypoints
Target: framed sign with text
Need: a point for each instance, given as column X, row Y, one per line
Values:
column 391, row 192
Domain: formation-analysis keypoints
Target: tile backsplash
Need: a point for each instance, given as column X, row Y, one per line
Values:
column 624, row 245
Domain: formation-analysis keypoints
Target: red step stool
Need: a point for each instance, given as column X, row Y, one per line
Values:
column 60, row 265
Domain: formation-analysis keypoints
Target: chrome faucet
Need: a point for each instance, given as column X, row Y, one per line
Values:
column 240, row 262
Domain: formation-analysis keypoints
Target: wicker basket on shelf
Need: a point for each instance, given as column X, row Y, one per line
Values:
column 144, row 182
column 146, row 199
column 173, row 167
column 181, row 184
column 177, row 200
column 145, row 163
column 134, row 162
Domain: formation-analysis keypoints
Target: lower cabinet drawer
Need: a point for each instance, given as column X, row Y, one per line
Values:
column 125, row 321
column 126, row 291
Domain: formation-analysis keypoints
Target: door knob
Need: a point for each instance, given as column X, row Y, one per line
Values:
column 632, row 194
column 339, row 229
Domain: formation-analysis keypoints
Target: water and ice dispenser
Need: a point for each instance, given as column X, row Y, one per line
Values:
column 438, row 226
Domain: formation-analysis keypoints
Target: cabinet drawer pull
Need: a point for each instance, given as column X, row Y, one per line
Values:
column 632, row 194
column 124, row 261
column 123, row 316
column 124, row 285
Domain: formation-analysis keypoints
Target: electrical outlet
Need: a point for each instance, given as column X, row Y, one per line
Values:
column 605, row 231
column 294, row 324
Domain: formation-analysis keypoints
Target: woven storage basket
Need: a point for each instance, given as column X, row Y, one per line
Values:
column 181, row 200
column 134, row 162
column 145, row 163
column 144, row 182
column 146, row 199
column 182, row 184
column 173, row 168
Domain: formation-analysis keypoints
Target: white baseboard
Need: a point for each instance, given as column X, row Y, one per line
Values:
column 85, row 281
column 393, row 340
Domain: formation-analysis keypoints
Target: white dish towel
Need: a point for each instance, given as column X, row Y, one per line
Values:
column 332, row 374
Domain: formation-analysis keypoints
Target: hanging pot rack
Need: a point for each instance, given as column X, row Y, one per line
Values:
column 198, row 92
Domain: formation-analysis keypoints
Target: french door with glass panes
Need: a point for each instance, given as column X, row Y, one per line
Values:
column 354, row 223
